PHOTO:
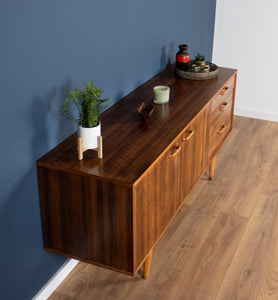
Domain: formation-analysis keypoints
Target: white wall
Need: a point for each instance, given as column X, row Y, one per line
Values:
column 246, row 38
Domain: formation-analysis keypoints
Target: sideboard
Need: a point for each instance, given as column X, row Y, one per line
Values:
column 111, row 212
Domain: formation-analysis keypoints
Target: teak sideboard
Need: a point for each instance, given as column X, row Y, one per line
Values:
column 112, row 211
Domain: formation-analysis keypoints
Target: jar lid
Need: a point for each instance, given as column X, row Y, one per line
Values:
column 183, row 46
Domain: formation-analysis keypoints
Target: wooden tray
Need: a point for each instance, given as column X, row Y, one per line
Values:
column 199, row 75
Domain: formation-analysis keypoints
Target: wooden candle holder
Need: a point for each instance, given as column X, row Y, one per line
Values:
column 80, row 148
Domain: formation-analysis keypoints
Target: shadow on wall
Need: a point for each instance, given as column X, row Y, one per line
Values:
column 167, row 59
column 65, row 126
column 50, row 127
column 20, row 220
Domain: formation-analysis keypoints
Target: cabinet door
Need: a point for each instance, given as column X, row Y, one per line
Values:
column 156, row 200
column 194, row 153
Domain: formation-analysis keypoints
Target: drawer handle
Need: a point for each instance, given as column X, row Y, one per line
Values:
column 175, row 151
column 188, row 136
column 223, row 106
column 222, row 129
column 224, row 90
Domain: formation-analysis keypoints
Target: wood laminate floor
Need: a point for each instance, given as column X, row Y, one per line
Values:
column 223, row 244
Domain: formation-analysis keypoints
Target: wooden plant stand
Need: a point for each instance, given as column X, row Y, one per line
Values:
column 80, row 148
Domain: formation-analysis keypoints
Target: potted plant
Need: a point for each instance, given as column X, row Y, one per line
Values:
column 200, row 59
column 89, row 106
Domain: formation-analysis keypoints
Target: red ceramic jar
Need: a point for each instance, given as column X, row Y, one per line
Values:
column 183, row 58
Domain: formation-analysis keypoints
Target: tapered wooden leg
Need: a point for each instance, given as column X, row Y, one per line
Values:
column 99, row 148
column 211, row 168
column 147, row 265
column 80, row 148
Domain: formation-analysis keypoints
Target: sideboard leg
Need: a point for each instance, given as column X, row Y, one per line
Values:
column 211, row 168
column 147, row 265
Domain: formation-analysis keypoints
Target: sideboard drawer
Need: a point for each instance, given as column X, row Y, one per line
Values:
column 225, row 92
column 220, row 124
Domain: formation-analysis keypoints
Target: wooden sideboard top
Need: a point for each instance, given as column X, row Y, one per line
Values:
column 131, row 145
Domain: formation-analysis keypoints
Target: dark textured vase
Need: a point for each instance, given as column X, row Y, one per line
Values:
column 183, row 58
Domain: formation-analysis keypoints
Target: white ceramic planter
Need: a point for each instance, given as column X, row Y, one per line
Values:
column 89, row 136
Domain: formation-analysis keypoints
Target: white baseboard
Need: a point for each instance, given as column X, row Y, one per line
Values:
column 56, row 280
column 256, row 114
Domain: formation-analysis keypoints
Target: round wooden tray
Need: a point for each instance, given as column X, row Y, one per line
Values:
column 199, row 75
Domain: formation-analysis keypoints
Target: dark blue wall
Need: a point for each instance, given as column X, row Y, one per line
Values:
column 47, row 47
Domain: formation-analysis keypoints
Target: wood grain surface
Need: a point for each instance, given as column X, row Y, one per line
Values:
column 127, row 139
column 220, row 123
column 112, row 211
column 223, row 242
column 87, row 218
column 163, row 189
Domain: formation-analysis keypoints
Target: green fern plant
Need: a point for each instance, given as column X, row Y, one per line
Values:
column 88, row 103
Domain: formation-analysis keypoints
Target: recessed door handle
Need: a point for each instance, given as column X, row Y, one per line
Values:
column 224, row 90
column 188, row 136
column 222, row 129
column 223, row 106
column 174, row 151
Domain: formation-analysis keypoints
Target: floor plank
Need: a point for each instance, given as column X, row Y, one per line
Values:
column 223, row 244
column 206, row 270
column 246, row 271
column 269, row 286
column 58, row 296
